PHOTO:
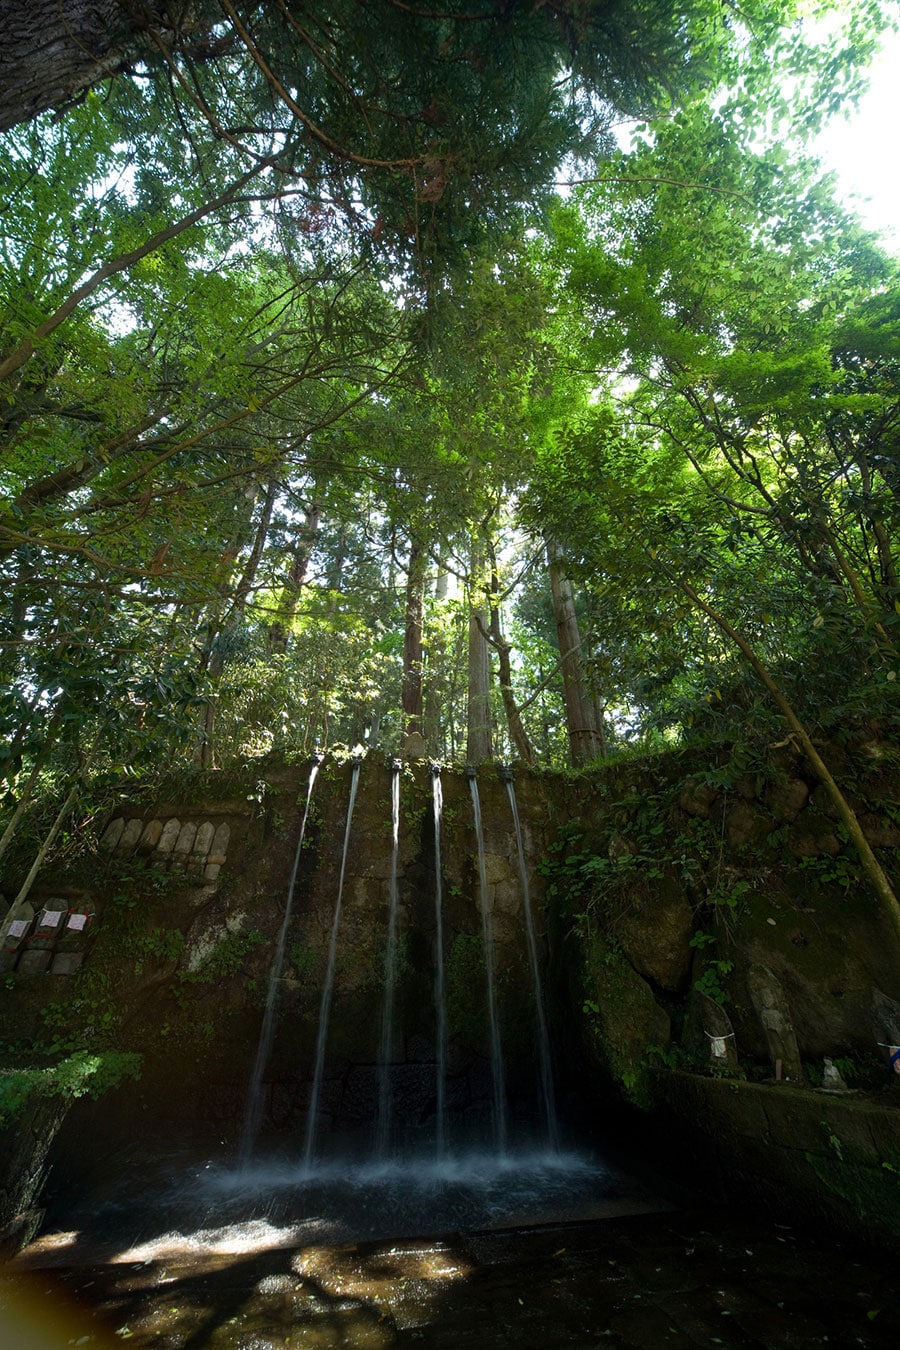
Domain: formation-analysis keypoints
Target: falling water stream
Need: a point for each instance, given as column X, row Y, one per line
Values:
column 253, row 1115
column 497, row 1072
column 548, row 1102
column 278, row 1222
column 328, row 987
column 440, row 996
column 543, row 1246
column 383, row 1130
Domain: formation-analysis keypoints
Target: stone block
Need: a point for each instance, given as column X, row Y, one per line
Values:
column 655, row 933
column 812, row 837
column 497, row 868
column 359, row 1100
column 220, row 840
column 211, row 871
column 809, row 1121
column 697, row 798
column 131, row 834
column 168, row 838
column 787, row 800
column 723, row 1108
column 507, row 897
column 420, row 1050
column 203, row 842
column 34, row 961
column 66, row 963
column 880, row 832
column 746, row 824
column 186, row 836
column 150, row 838
column 112, row 834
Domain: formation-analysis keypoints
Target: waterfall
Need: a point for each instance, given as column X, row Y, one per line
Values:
column 253, row 1116
column 440, row 996
column 390, row 974
column 547, row 1097
column 328, row 987
column 487, row 930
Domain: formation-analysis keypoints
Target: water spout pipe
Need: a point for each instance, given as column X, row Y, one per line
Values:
column 470, row 771
column 396, row 764
column 317, row 757
column 506, row 773
column 434, row 768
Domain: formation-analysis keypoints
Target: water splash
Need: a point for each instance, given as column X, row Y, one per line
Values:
column 328, row 987
column 497, row 1071
column 440, row 995
column 253, row 1117
column 383, row 1131
column 548, row 1101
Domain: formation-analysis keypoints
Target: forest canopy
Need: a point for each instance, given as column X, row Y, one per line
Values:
column 498, row 379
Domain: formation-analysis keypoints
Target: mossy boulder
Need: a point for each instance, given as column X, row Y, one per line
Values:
column 624, row 1021
column 655, row 933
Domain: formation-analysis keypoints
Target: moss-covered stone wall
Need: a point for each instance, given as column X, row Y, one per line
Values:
column 698, row 918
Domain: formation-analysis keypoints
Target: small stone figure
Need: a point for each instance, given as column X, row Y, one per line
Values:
column 720, row 1034
column 831, row 1078
column 772, row 1009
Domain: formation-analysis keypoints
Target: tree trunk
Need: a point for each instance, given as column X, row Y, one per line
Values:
column 16, row 906
column 302, row 554
column 586, row 738
column 213, row 660
column 479, row 745
column 54, row 49
column 517, row 733
column 26, row 799
column 413, row 725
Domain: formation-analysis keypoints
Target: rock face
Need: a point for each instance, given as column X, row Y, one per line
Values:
column 624, row 1020
column 24, row 1144
column 655, row 934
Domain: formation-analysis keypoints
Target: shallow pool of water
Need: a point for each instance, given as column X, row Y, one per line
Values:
column 532, row 1250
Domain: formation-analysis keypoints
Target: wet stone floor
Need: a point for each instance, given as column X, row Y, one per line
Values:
column 648, row 1280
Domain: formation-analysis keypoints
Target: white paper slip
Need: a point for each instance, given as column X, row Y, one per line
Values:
column 50, row 918
column 17, row 928
column 77, row 921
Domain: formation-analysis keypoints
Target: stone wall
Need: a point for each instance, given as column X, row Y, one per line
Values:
column 682, row 909
column 726, row 959
column 187, row 899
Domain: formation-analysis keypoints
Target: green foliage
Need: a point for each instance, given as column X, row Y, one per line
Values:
column 303, row 961
column 160, row 944
column 841, row 870
column 77, row 1075
column 565, row 863
column 362, row 321
column 713, row 980
column 225, row 960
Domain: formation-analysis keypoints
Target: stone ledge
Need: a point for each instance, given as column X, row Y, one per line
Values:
column 806, row 1152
